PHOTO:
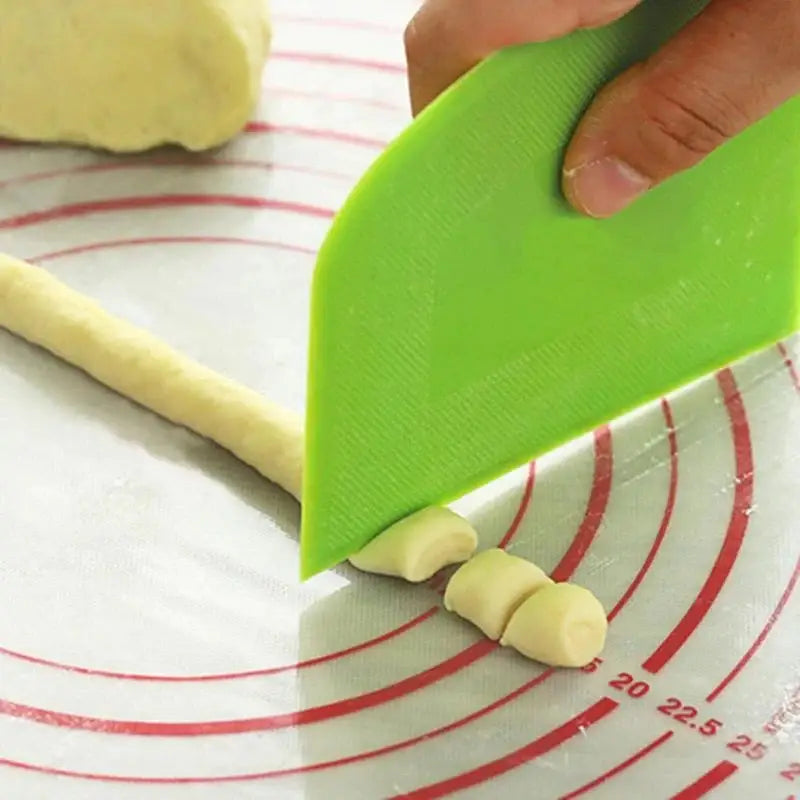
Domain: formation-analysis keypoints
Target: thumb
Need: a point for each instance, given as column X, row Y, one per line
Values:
column 446, row 38
column 728, row 68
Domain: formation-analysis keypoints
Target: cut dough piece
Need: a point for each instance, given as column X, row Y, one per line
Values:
column 128, row 75
column 35, row 306
column 418, row 546
column 563, row 625
column 488, row 589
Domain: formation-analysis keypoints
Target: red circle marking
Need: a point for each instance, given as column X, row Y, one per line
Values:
column 790, row 587
column 334, row 60
column 122, row 166
column 524, row 506
column 715, row 693
column 760, row 639
column 522, row 510
column 349, row 24
column 266, row 127
column 315, row 133
column 336, row 98
column 707, row 782
column 255, row 673
column 439, row 581
column 744, row 472
column 541, row 678
column 737, row 431
column 261, row 672
column 527, row 494
column 672, row 494
column 734, row 536
column 152, row 240
column 139, row 203
column 646, row 752
column 421, row 618
column 614, row 771
column 595, row 509
column 538, row 747
column 172, row 780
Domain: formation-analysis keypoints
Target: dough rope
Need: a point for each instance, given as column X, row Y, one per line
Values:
column 134, row 363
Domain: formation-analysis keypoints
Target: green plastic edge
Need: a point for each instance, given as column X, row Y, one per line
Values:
column 504, row 67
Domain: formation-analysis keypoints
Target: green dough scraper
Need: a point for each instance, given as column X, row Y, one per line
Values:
column 465, row 320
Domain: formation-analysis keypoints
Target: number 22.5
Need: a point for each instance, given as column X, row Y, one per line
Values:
column 675, row 708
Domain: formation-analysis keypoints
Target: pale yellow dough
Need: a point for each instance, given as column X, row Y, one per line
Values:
column 127, row 75
column 488, row 589
column 557, row 624
column 562, row 625
column 418, row 546
column 37, row 307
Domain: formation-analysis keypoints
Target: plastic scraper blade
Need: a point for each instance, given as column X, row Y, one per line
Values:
column 465, row 320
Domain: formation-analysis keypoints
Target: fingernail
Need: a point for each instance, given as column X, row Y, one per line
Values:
column 602, row 188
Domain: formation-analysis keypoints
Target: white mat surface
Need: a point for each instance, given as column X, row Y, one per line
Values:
column 155, row 642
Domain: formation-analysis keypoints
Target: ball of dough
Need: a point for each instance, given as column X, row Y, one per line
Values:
column 488, row 589
column 563, row 625
column 418, row 546
column 127, row 75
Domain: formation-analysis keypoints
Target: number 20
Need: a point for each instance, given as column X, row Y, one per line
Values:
column 625, row 683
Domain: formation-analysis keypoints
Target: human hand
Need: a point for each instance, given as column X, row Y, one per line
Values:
column 732, row 65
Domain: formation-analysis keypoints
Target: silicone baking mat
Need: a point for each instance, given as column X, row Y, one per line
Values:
column 155, row 642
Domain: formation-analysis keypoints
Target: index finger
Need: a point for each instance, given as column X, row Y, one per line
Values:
column 446, row 38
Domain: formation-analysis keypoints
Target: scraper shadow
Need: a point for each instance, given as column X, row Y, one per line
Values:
column 86, row 398
column 349, row 615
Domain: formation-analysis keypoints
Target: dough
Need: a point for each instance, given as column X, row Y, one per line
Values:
column 35, row 306
column 488, row 589
column 127, row 75
column 417, row 547
column 562, row 625
column 133, row 362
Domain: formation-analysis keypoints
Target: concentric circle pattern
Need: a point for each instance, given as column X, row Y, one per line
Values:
column 155, row 642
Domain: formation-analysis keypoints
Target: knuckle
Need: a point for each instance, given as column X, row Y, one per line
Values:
column 683, row 124
column 427, row 30
column 411, row 39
